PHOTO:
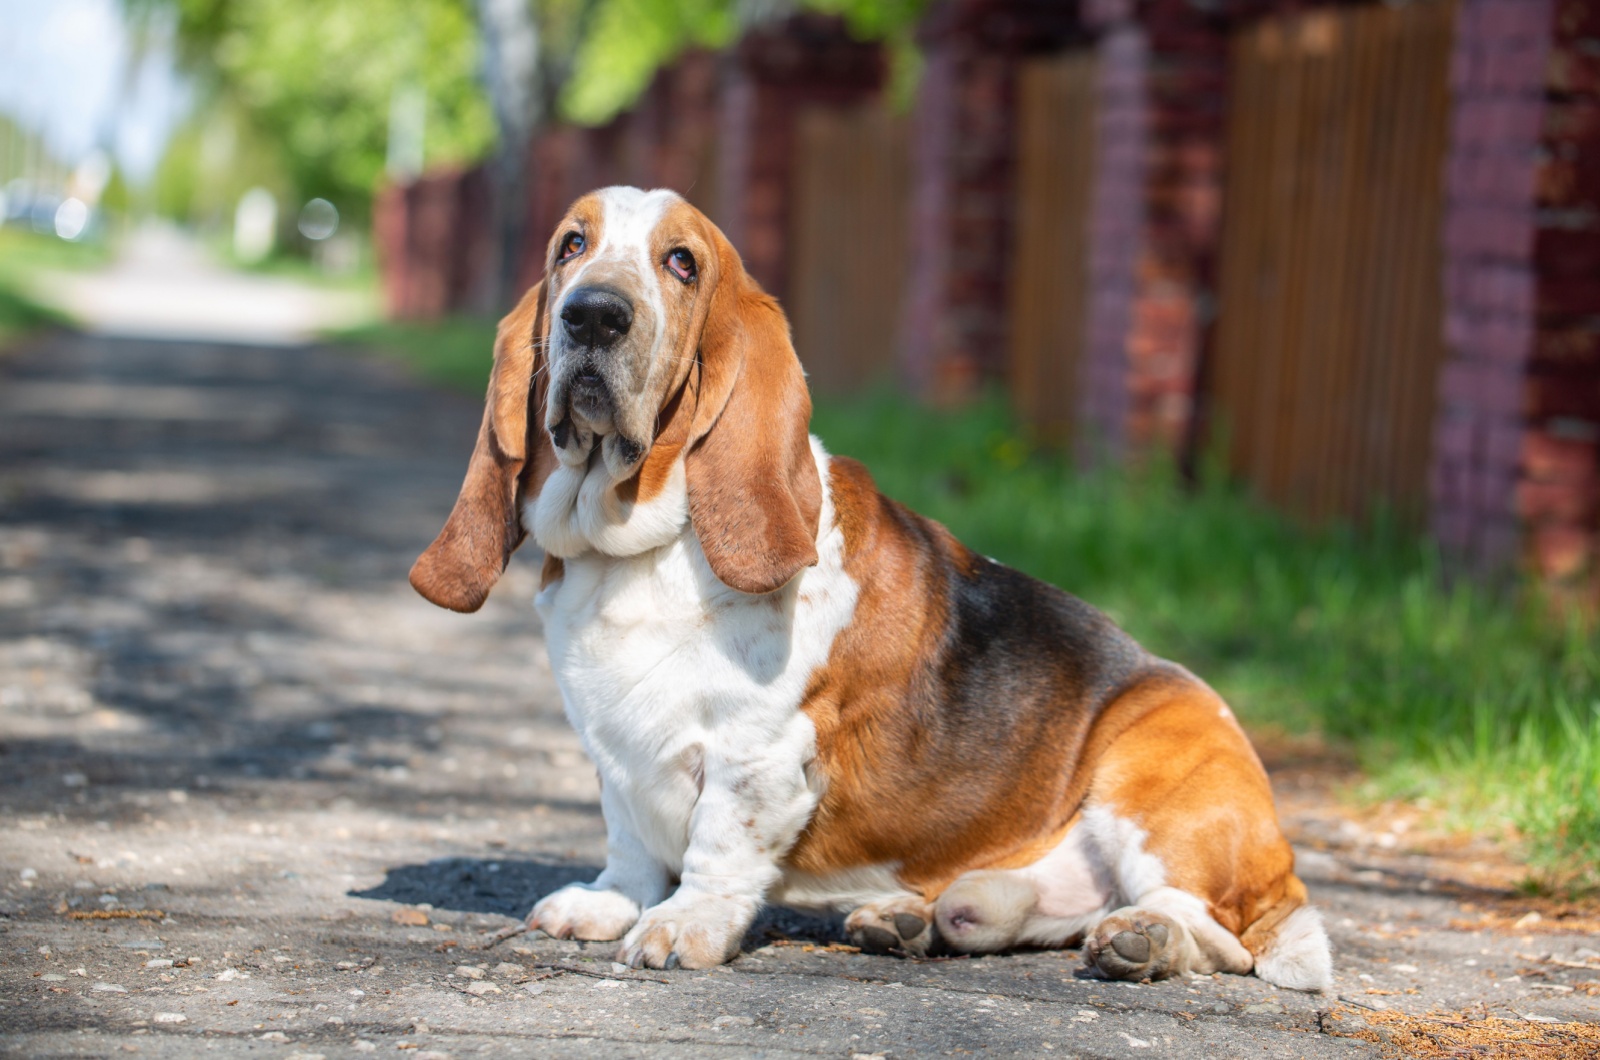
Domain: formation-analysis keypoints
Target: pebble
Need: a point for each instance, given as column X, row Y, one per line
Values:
column 409, row 917
column 361, row 1045
column 171, row 1017
column 52, row 977
column 227, row 975
column 158, row 962
column 533, row 988
column 274, row 1036
column 467, row 971
column 480, row 989
column 1263, row 1007
column 509, row 970
column 28, row 874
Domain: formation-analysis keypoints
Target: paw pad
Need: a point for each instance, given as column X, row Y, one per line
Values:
column 886, row 932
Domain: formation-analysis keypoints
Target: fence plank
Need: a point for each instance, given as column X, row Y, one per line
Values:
column 1329, row 336
column 1049, row 286
column 849, row 243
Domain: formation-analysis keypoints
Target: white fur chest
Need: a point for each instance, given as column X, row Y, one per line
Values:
column 686, row 693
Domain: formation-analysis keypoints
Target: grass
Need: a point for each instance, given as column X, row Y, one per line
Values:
column 1478, row 702
column 21, row 253
column 455, row 352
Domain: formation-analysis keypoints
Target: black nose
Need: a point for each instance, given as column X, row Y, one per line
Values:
column 596, row 316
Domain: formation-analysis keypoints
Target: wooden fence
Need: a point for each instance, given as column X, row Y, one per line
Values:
column 1050, row 267
column 1328, row 343
column 848, row 243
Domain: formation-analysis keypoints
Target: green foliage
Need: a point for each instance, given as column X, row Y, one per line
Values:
column 624, row 42
column 314, row 79
column 628, row 40
column 212, row 159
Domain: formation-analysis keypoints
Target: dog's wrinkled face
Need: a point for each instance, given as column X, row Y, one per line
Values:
column 629, row 275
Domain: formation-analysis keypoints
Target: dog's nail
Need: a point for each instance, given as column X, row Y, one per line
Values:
column 909, row 925
column 1158, row 935
column 672, row 961
column 1131, row 946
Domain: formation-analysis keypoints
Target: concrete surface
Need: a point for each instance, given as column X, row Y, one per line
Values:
column 163, row 284
column 257, row 798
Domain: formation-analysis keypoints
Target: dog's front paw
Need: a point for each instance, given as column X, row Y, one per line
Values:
column 689, row 931
column 577, row 911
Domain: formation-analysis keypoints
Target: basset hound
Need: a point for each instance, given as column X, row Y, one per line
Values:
column 797, row 691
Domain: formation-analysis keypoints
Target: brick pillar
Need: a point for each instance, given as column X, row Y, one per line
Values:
column 1115, row 229
column 964, row 157
column 772, row 73
column 1497, row 82
column 1559, row 487
column 1185, row 97
column 389, row 223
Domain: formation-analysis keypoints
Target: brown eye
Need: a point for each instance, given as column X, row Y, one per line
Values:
column 571, row 245
column 681, row 262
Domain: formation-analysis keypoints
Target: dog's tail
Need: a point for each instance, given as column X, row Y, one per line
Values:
column 1290, row 946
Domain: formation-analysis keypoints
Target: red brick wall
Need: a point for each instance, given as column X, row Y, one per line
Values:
column 772, row 73
column 1115, row 234
column 432, row 238
column 963, row 157
column 1186, row 102
column 1559, row 483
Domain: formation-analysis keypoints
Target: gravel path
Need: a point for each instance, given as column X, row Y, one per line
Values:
column 256, row 797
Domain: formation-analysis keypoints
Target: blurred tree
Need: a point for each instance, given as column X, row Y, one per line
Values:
column 316, row 78
column 623, row 42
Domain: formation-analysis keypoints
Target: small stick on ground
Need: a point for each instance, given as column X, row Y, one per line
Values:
column 503, row 934
column 575, row 970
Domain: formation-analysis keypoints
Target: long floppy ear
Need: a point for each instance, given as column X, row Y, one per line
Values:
column 510, row 462
column 754, row 493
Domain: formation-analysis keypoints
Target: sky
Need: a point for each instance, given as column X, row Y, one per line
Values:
column 66, row 72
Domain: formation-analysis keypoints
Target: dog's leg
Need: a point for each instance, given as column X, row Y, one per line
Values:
column 1167, row 933
column 903, row 923
column 746, row 818
column 633, row 880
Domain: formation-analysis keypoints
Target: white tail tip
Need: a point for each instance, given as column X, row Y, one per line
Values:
column 1299, row 956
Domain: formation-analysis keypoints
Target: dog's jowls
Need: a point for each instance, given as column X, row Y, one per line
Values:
column 797, row 691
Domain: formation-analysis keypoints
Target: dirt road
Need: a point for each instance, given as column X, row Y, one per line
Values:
column 257, row 798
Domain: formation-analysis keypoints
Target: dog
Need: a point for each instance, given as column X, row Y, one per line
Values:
column 797, row 691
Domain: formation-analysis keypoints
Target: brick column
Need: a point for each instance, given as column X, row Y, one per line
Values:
column 963, row 158
column 772, row 73
column 1497, row 81
column 1114, row 233
column 1185, row 115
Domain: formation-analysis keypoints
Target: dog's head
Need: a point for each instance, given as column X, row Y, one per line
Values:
column 646, row 343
